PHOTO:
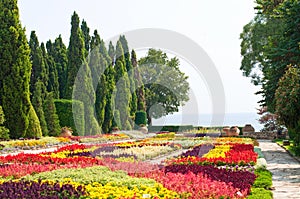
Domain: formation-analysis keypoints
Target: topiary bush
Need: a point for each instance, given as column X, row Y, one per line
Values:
column 140, row 118
column 67, row 114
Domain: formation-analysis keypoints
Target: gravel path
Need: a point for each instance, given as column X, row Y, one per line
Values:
column 285, row 170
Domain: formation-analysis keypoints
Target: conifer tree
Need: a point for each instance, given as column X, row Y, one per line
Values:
column 21, row 118
column 53, row 85
column 130, row 71
column 51, row 116
column 38, row 71
column 86, row 36
column 80, row 85
column 61, row 61
column 38, row 99
column 110, row 102
column 98, row 65
column 76, row 55
column 111, row 52
column 140, row 91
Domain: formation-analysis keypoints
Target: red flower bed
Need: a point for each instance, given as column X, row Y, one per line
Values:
column 195, row 186
column 239, row 154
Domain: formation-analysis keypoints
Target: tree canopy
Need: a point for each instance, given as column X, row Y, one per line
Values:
column 166, row 87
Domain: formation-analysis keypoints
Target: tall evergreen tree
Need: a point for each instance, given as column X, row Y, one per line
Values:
column 38, row 99
column 80, row 85
column 130, row 71
column 39, row 71
column 111, row 52
column 53, row 85
column 51, row 116
column 98, row 65
column 21, row 118
column 140, row 90
column 86, row 36
column 110, row 102
column 61, row 61
column 76, row 54
column 122, row 98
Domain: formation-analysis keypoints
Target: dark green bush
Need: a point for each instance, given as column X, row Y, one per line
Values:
column 66, row 116
column 140, row 118
column 170, row 128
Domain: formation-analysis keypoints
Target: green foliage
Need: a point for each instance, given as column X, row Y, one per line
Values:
column 259, row 193
column 76, row 55
column 111, row 52
column 34, row 128
column 140, row 91
column 4, row 132
column 59, row 54
column 39, row 70
column 166, row 87
column 37, row 102
column 263, row 180
column 262, row 185
column 66, row 116
column 53, row 84
column 88, row 175
column 117, row 120
column 270, row 43
column 109, row 108
column 140, row 118
column 287, row 98
column 170, row 128
column 86, row 36
column 51, row 116
column 15, row 74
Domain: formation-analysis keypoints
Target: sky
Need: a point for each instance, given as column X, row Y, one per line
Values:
column 213, row 24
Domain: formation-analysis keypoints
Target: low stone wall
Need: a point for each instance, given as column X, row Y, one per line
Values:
column 269, row 135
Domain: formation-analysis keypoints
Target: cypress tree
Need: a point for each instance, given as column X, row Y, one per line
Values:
column 53, row 85
column 130, row 71
column 80, row 85
column 38, row 71
column 37, row 102
column 122, row 97
column 110, row 103
column 140, row 91
column 86, row 36
column 61, row 61
column 104, row 52
column 97, row 65
column 21, row 118
column 51, row 116
column 101, row 93
column 76, row 55
column 111, row 52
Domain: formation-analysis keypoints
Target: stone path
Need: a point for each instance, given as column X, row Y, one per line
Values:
column 285, row 170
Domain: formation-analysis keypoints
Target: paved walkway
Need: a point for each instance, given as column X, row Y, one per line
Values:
column 285, row 170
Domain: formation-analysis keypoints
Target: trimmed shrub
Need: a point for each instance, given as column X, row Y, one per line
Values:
column 170, row 128
column 66, row 116
column 140, row 118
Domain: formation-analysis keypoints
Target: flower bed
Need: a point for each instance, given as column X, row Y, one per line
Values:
column 117, row 170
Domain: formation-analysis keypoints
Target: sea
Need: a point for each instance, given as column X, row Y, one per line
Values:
column 206, row 120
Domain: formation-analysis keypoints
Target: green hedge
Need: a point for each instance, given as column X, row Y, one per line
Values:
column 66, row 117
column 170, row 128
column 140, row 118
